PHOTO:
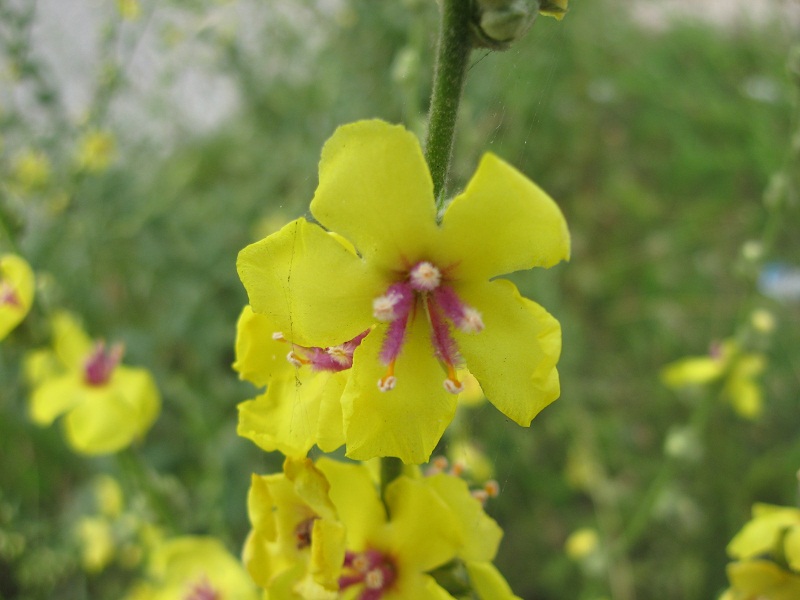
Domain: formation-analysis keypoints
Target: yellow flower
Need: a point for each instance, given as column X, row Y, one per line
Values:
column 16, row 292
column 31, row 170
column 194, row 568
column 130, row 10
column 96, row 150
column 108, row 406
column 301, row 406
column 96, row 539
column 388, row 555
column 739, row 371
column 581, row 543
column 427, row 293
column 773, row 530
column 296, row 542
column 770, row 539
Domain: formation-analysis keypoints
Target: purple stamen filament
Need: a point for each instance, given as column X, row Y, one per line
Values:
column 8, row 296
column 333, row 358
column 442, row 306
column 202, row 590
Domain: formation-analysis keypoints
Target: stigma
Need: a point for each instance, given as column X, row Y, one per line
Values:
column 424, row 288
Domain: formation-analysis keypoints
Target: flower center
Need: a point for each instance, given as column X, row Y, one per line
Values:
column 372, row 569
column 202, row 590
column 100, row 364
column 8, row 296
column 424, row 286
column 333, row 358
column 302, row 533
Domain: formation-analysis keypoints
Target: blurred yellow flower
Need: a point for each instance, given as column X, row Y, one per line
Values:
column 581, row 543
column 130, row 10
column 96, row 540
column 16, row 291
column 31, row 170
column 194, row 568
column 767, row 550
column 108, row 406
column 428, row 294
column 738, row 370
column 96, row 149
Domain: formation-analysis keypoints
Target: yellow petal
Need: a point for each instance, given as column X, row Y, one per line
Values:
column 488, row 583
column 109, row 418
column 71, row 343
column 259, row 357
column 761, row 534
column 481, row 534
column 355, row 496
column 313, row 288
column 289, row 417
column 693, row 370
column 502, row 222
column 55, row 397
column 763, row 579
column 376, row 191
column 408, row 421
column 791, row 547
column 514, row 357
column 16, row 277
column 423, row 531
column 327, row 552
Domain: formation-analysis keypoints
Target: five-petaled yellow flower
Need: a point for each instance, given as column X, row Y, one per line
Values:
column 427, row 293
column 16, row 292
column 108, row 406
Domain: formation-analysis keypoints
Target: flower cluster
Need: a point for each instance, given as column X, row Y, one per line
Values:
column 322, row 528
column 365, row 327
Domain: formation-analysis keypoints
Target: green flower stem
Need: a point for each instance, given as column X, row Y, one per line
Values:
column 448, row 82
column 391, row 469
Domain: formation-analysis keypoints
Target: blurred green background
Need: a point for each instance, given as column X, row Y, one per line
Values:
column 658, row 141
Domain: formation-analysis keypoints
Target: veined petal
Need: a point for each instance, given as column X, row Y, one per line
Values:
column 481, row 533
column 408, row 421
column 288, row 417
column 423, row 532
column 311, row 286
column 502, row 222
column 514, row 357
column 375, row 189
column 488, row 583
column 355, row 496
column 259, row 357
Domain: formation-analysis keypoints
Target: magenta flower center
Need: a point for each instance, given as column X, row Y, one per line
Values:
column 202, row 590
column 373, row 569
column 100, row 364
column 424, row 286
column 8, row 296
column 334, row 358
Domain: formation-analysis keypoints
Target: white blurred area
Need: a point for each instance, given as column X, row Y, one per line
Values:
column 660, row 14
column 172, row 58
